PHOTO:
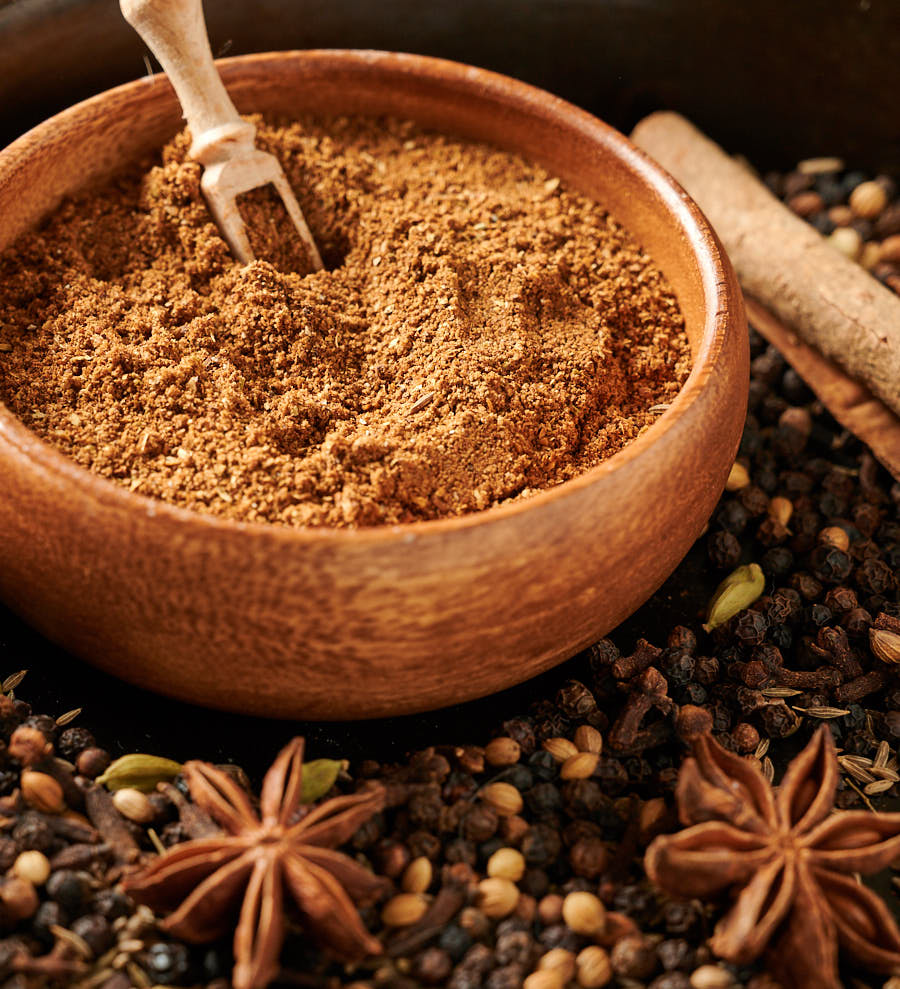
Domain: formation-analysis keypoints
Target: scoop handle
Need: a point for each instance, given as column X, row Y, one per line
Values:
column 175, row 31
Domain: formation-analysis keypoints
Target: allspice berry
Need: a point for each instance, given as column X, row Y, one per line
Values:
column 503, row 751
column 559, row 960
column 28, row 745
column 92, row 762
column 418, row 875
column 503, row 797
column 868, row 199
column 403, row 909
column 584, row 913
column 593, row 968
column 507, row 863
column 497, row 897
column 42, row 792
column 33, row 867
column 692, row 721
column 547, row 978
column 588, row 739
column 560, row 748
column 580, row 766
column 134, row 805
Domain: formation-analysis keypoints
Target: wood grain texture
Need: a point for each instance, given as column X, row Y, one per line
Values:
column 827, row 299
column 328, row 624
column 847, row 400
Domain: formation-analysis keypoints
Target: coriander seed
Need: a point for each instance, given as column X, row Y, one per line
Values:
column 584, row 913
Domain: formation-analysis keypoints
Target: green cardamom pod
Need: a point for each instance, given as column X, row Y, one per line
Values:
column 737, row 591
column 139, row 772
column 318, row 778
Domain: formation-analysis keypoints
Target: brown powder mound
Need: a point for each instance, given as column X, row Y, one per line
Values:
column 484, row 332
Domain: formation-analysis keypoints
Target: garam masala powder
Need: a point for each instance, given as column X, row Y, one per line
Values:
column 482, row 332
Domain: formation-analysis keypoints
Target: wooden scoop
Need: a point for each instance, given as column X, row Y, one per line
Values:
column 174, row 30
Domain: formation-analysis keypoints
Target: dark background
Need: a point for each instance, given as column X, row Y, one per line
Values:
column 777, row 81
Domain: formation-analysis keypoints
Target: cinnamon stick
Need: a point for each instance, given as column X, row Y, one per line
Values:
column 826, row 299
column 854, row 406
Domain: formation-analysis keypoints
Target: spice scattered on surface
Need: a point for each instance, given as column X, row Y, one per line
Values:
column 484, row 332
column 817, row 648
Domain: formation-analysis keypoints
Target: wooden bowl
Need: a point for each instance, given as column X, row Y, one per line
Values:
column 351, row 624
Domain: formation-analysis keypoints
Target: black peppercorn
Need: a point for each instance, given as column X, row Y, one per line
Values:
column 111, row 904
column 71, row 889
column 874, row 577
column 830, row 565
column 96, row 932
column 816, row 615
column 541, row 845
column 432, row 967
column 724, row 549
column 677, row 665
column 575, row 700
column 32, row 832
column 777, row 561
column 706, row 670
column 682, row 638
column 778, row 720
column 543, row 766
column 732, row 516
column 166, row 963
column 840, row 599
column 49, row 914
column 74, row 740
column 750, row 628
column 455, row 941
column 856, row 621
column 521, row 731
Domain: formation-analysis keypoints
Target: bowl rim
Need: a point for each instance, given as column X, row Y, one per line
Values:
column 684, row 212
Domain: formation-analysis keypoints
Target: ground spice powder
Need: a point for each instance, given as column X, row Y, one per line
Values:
column 482, row 332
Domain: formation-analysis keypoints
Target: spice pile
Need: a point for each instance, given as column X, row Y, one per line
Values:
column 484, row 332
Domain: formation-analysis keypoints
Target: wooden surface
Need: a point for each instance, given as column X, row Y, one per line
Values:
column 849, row 402
column 828, row 300
column 356, row 624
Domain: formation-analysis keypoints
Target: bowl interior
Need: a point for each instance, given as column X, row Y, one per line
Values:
column 96, row 139
column 411, row 617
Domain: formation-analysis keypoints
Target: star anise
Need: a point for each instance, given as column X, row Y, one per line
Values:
column 256, row 858
column 788, row 860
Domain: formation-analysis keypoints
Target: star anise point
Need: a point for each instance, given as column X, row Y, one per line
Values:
column 787, row 859
column 256, row 858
